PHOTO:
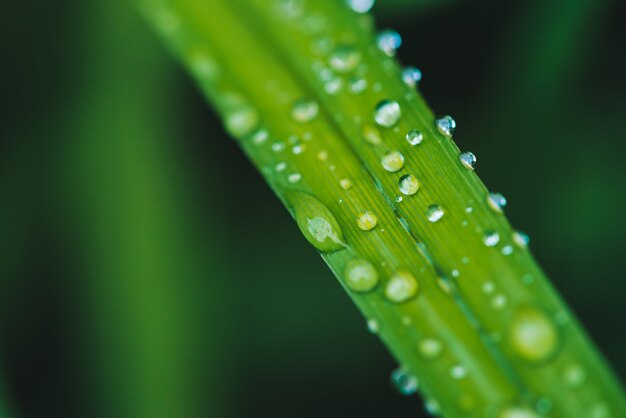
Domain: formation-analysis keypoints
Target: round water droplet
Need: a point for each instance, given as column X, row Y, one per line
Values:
column 360, row 275
column 574, row 376
column 521, row 239
column 294, row 178
column 344, row 59
column 404, row 382
column 434, row 213
column 361, row 6
column 241, row 121
column 408, row 185
column 446, row 125
column 518, row 412
column 432, row 406
column 304, row 110
column 357, row 85
column 458, row 372
column 345, row 184
column 401, row 287
column 260, row 137
column 389, row 41
column 398, row 199
column 372, row 135
column 411, row 76
column 507, row 250
column 414, row 137
column 333, row 86
column 367, row 221
column 278, row 146
column 316, row 222
column 373, row 326
column 532, row 335
column 281, row 167
column 392, row 161
column 430, row 348
column 491, row 238
column 468, row 160
column 496, row 202
column 387, row 113
column 498, row 302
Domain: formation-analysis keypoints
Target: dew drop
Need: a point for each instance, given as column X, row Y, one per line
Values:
column 367, row 221
column 304, row 110
column 574, row 376
column 278, row 146
column 491, row 238
column 357, row 85
column 404, row 382
column 389, row 41
column 322, row 155
column 280, row 167
column 521, row 239
column 432, row 406
column 408, row 185
column 532, row 335
column 468, row 160
column 411, row 76
column 294, row 178
column 316, row 222
column 371, row 134
column 361, row 6
column 360, row 275
column 434, row 213
column 446, row 125
column 203, row 66
column 373, row 326
column 345, row 184
column 344, row 59
column 458, row 372
column 387, row 113
column 241, row 120
column 498, row 302
column 401, row 287
column 333, row 85
column 488, row 288
column 392, row 161
column 260, row 137
column 518, row 412
column 430, row 348
column 496, row 202
column 414, row 137
column 398, row 199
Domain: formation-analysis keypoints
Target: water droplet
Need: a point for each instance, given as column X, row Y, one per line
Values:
column 373, row 326
column 600, row 410
column 357, row 85
column 389, row 41
column 521, row 239
column 294, row 178
column 401, row 287
column 434, row 213
column 507, row 250
column 367, row 221
column 361, row 6
column 316, row 222
column 398, row 199
column 458, row 372
column 432, row 406
column 488, row 288
column 408, row 185
column 455, row 273
column 468, row 160
column 574, row 376
column 372, row 135
column 414, row 137
column 518, row 412
column 260, row 137
column 491, row 238
column 446, row 125
column 411, row 76
column 203, row 66
column 304, row 110
column 498, row 302
column 344, row 59
column 360, row 275
column 404, row 382
column 532, row 336
column 392, row 161
column 278, row 146
column 322, row 155
column 241, row 120
column 430, row 348
column 280, row 167
column 345, row 184
column 496, row 202
column 387, row 113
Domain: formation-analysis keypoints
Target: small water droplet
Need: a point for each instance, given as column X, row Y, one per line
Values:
column 455, row 273
column 278, row 146
column 446, row 125
column 398, row 199
column 360, row 275
column 345, row 184
column 507, row 250
column 344, row 59
column 458, row 372
column 392, row 161
column 322, row 155
column 387, row 113
column 280, row 167
column 389, row 41
column 468, row 160
column 488, row 288
column 361, row 6
column 241, row 120
column 316, row 222
column 404, row 382
column 333, row 86
column 411, row 76
column 372, row 135
column 518, row 412
column 260, row 137
column 491, row 238
column 498, row 302
column 408, row 185
column 373, row 326
column 432, row 406
column 304, row 110
column 434, row 213
column 203, row 66
column 496, row 202
column 574, row 376
column 294, row 178
column 521, row 239
column 532, row 335
column 430, row 348
column 414, row 137
column 367, row 221
column 401, row 287
column 357, row 85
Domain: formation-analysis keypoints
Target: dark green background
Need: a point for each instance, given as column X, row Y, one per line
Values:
column 147, row 271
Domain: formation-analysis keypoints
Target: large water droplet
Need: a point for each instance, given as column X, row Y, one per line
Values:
column 491, row 238
column 304, row 110
column 392, row 161
column 367, row 221
column 361, row 6
column 434, row 213
column 411, row 76
column 316, row 222
column 408, row 185
column 496, row 202
column 389, row 41
column 532, row 335
column 404, row 382
column 430, row 348
column 468, row 160
column 414, row 137
column 387, row 113
column 344, row 59
column 401, row 287
column 446, row 125
column 360, row 275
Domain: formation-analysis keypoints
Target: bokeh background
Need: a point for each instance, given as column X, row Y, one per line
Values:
column 146, row 270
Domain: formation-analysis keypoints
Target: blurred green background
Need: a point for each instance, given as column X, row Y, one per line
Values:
column 136, row 283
